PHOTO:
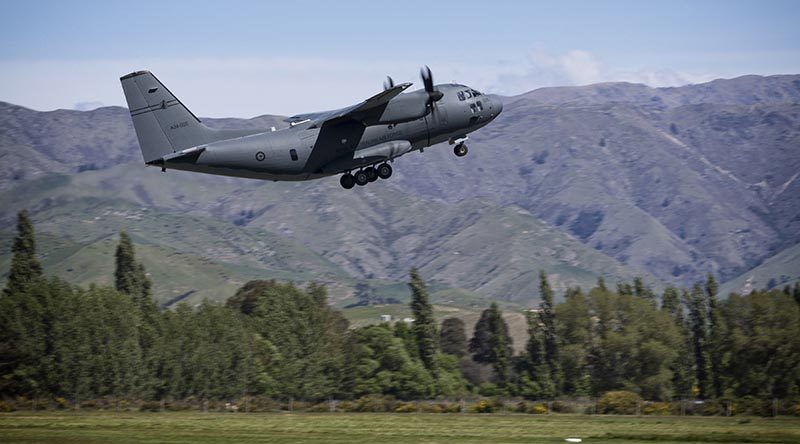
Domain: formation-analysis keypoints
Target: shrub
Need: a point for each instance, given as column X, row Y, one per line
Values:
column 5, row 407
column 319, row 407
column 406, row 407
column 657, row 408
column 62, row 403
column 374, row 404
column 539, row 409
column 521, row 407
column 431, row 408
column 563, row 407
column 263, row 404
column 619, row 403
column 483, row 406
column 750, row 405
column 150, row 406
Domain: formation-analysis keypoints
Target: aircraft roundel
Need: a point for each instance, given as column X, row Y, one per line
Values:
column 260, row 156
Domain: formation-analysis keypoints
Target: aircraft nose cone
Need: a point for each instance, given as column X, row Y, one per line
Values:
column 497, row 104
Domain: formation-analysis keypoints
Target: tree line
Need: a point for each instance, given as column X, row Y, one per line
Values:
column 281, row 340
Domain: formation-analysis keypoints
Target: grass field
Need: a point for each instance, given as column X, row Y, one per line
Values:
column 195, row 427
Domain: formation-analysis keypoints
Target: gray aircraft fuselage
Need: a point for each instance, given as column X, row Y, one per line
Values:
column 314, row 145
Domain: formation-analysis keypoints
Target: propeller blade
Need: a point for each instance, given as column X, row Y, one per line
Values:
column 388, row 83
column 427, row 78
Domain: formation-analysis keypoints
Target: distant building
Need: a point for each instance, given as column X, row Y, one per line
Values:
column 408, row 320
column 386, row 318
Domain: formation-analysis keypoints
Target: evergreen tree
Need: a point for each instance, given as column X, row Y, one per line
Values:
column 682, row 377
column 640, row 290
column 714, row 336
column 424, row 323
column 453, row 338
column 624, row 289
column 25, row 267
column 601, row 283
column 550, row 337
column 129, row 276
column 536, row 380
column 698, row 320
column 796, row 292
column 404, row 333
column 131, row 280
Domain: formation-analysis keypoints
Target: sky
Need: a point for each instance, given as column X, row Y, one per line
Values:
column 248, row 58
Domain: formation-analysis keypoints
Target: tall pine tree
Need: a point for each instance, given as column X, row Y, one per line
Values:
column 131, row 279
column 453, row 338
column 714, row 336
column 424, row 323
column 25, row 267
column 698, row 321
column 547, row 319
column 491, row 343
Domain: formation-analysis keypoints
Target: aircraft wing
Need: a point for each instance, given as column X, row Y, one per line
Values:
column 358, row 112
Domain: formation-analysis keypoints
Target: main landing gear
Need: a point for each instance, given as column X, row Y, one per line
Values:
column 460, row 150
column 365, row 176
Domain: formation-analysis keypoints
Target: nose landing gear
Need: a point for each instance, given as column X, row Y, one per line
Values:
column 460, row 150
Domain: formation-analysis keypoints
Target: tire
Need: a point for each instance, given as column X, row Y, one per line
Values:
column 372, row 175
column 460, row 150
column 361, row 178
column 347, row 181
column 384, row 171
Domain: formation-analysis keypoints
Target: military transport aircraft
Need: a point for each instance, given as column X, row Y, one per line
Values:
column 358, row 141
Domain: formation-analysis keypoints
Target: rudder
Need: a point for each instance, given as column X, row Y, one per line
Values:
column 163, row 124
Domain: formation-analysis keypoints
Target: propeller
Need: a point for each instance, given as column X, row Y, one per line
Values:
column 388, row 83
column 433, row 94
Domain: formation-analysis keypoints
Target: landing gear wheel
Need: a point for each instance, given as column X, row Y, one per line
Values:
column 372, row 175
column 384, row 171
column 361, row 178
column 460, row 150
column 347, row 181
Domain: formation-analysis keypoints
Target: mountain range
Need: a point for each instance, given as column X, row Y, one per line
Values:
column 617, row 179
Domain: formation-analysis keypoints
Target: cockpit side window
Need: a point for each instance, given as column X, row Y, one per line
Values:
column 473, row 108
column 461, row 95
column 468, row 94
column 475, row 93
column 480, row 105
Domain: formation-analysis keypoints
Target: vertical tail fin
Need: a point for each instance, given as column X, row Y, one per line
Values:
column 163, row 124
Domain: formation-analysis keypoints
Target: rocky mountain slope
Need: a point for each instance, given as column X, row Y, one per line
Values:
column 612, row 179
column 676, row 181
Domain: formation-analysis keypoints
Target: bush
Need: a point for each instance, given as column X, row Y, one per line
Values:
column 264, row 404
column 539, row 409
column 563, row 407
column 374, row 404
column 483, row 406
column 150, row 406
column 750, row 405
column 5, row 407
column 406, row 407
column 319, row 407
column 619, row 403
column 657, row 408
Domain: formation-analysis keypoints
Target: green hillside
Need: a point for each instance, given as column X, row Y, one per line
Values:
column 776, row 272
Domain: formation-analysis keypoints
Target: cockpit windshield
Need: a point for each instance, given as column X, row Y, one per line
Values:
column 467, row 94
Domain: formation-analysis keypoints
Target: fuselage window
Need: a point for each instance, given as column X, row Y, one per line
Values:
column 468, row 94
column 293, row 153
